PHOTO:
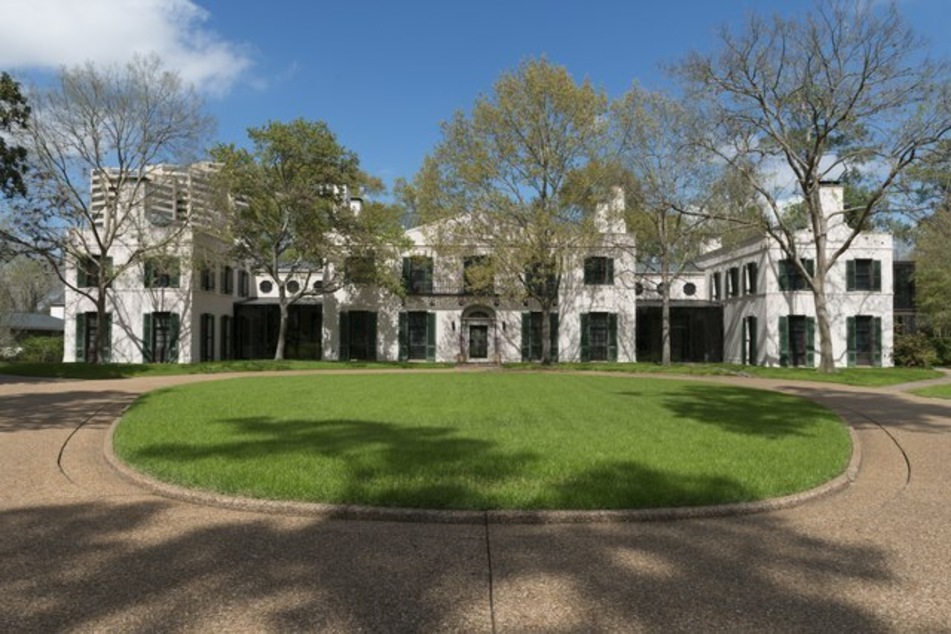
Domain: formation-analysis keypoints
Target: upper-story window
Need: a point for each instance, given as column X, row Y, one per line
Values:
column 791, row 278
column 360, row 269
column 418, row 274
column 477, row 275
column 750, row 273
column 863, row 275
column 208, row 278
column 162, row 273
column 733, row 281
column 227, row 280
column 244, row 283
column 90, row 269
column 598, row 270
column 716, row 290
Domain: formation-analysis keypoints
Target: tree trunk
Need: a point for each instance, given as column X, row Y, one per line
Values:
column 282, row 330
column 665, row 313
column 546, row 333
column 826, row 358
column 100, row 324
column 820, row 229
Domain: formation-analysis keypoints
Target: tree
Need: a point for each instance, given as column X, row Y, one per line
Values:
column 14, row 117
column 518, row 178
column 672, row 187
column 933, row 261
column 845, row 86
column 290, row 210
column 107, row 126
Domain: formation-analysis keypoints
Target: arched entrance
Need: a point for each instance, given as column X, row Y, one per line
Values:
column 478, row 339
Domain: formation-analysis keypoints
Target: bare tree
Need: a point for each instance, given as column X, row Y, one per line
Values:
column 93, row 141
column 671, row 190
column 845, row 86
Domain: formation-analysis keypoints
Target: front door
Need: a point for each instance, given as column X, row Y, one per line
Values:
column 478, row 342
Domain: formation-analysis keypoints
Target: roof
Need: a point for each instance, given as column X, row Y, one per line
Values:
column 31, row 321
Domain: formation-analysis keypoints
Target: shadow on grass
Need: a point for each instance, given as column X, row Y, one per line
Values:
column 385, row 464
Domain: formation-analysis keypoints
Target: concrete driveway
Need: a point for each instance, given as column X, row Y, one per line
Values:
column 82, row 549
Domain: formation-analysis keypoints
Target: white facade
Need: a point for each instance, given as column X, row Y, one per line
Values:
column 208, row 309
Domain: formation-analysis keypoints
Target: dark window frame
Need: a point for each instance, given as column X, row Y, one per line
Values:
column 598, row 271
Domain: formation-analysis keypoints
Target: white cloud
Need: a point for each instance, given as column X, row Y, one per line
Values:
column 47, row 34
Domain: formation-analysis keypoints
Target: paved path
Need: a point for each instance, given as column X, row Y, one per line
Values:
column 83, row 550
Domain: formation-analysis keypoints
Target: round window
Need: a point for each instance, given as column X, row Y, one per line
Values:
column 265, row 286
column 690, row 289
column 639, row 288
column 293, row 286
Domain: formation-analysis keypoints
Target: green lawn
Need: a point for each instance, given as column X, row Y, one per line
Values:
column 484, row 440
column 935, row 391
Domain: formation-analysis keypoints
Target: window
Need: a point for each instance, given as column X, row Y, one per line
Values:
column 417, row 336
column 639, row 288
column 690, row 289
column 87, row 325
column 358, row 335
column 418, row 275
column 477, row 275
column 864, row 334
column 716, row 290
column 244, row 284
column 162, row 273
column 598, row 337
column 160, row 337
column 226, row 338
column 863, row 275
column 532, row 336
column 750, row 273
column 266, row 286
column 89, row 269
column 797, row 334
column 790, row 278
column 598, row 270
column 540, row 279
column 208, row 278
column 227, row 280
column 733, row 281
column 749, row 341
column 360, row 269
column 207, row 334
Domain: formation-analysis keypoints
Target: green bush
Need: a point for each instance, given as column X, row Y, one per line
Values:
column 915, row 351
column 942, row 348
column 41, row 350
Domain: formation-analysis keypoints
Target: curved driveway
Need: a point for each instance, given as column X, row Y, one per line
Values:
column 81, row 549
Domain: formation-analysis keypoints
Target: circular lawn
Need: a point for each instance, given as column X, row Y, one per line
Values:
column 491, row 440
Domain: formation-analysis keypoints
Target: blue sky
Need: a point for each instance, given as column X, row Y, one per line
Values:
column 383, row 75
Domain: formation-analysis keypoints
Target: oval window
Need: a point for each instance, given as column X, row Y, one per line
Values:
column 265, row 286
column 690, row 289
column 293, row 286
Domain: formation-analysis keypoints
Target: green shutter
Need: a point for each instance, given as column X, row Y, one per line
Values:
column 610, row 267
column 612, row 337
column 877, row 343
column 81, row 277
column 173, row 337
column 526, row 336
column 877, row 275
column 148, row 274
column 106, row 339
column 850, row 275
column 403, row 335
column 783, row 341
column 783, row 276
column 223, row 336
column 754, row 274
column 554, row 337
column 371, row 336
column 810, row 342
column 147, row 338
column 430, row 336
column 344, row 336
column 175, row 273
column 406, row 274
column 585, row 346
column 752, row 328
column 80, row 337
column 850, row 340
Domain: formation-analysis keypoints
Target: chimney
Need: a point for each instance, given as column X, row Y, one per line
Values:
column 609, row 216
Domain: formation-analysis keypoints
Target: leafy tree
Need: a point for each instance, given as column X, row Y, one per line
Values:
column 108, row 126
column 290, row 210
column 518, row 178
column 25, row 284
column 14, row 117
column 845, row 86
column 673, row 187
column 933, row 261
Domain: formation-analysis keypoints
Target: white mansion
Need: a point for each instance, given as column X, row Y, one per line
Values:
column 743, row 305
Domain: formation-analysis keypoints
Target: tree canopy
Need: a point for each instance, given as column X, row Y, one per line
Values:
column 14, row 117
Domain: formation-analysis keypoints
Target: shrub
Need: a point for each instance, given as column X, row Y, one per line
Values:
column 914, row 350
column 41, row 350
